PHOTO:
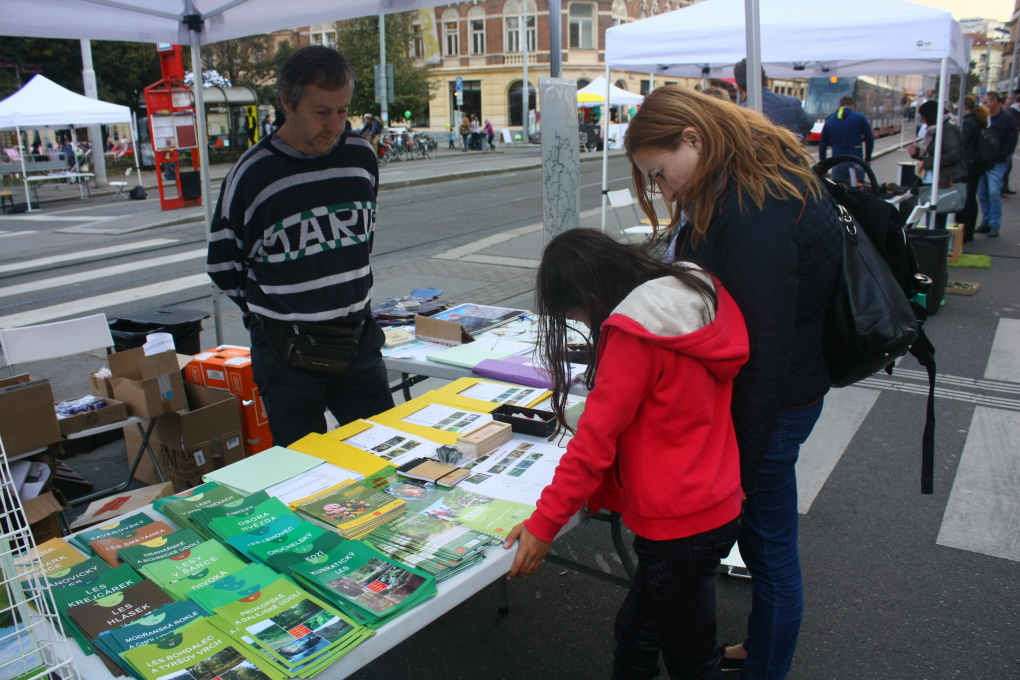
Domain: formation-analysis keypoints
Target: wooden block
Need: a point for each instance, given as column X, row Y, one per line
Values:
column 956, row 251
column 962, row 287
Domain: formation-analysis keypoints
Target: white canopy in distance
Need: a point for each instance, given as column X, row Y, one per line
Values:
column 41, row 103
column 799, row 39
column 594, row 94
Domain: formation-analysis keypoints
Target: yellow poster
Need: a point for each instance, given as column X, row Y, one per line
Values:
column 430, row 36
column 251, row 124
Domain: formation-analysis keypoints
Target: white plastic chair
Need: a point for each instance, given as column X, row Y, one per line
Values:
column 64, row 339
column 120, row 186
column 621, row 199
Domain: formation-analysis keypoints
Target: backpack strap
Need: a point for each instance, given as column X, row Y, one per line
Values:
column 822, row 167
column 924, row 352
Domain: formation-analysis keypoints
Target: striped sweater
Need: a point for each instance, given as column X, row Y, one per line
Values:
column 292, row 237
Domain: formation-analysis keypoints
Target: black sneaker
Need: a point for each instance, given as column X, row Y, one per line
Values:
column 993, row 233
column 1007, row 190
column 728, row 664
column 983, row 229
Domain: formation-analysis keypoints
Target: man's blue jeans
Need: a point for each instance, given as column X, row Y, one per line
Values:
column 768, row 545
column 990, row 195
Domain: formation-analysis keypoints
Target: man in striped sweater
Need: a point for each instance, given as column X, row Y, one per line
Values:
column 291, row 246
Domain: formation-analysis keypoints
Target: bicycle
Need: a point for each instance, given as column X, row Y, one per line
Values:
column 426, row 145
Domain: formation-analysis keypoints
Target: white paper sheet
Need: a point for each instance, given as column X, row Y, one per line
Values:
column 516, row 471
column 393, row 445
column 448, row 419
column 502, row 394
column 317, row 479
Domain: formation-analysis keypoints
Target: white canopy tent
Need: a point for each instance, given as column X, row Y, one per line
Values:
column 41, row 103
column 185, row 22
column 594, row 94
column 795, row 38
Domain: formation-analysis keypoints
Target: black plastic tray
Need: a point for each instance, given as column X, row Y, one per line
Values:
column 526, row 425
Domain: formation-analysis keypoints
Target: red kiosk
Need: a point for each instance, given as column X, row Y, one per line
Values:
column 171, row 107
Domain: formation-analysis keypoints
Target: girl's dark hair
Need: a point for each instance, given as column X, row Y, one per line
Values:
column 586, row 270
column 312, row 65
column 929, row 111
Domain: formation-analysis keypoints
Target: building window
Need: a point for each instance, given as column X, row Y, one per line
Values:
column 646, row 87
column 582, row 26
column 583, row 83
column 451, row 29
column 515, row 101
column 476, row 25
column 417, row 42
column 619, row 12
column 324, row 36
column 513, row 27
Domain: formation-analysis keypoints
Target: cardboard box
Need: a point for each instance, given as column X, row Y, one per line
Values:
column 120, row 504
column 956, row 242
column 212, row 412
column 41, row 513
column 114, row 412
column 207, row 368
column 255, row 426
column 101, row 387
column 27, row 418
column 184, row 467
column 962, row 287
column 449, row 333
column 150, row 386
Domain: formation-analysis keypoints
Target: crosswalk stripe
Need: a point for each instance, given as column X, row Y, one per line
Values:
column 842, row 414
column 85, row 254
column 76, row 308
column 983, row 512
column 15, row 233
column 71, row 279
column 1004, row 361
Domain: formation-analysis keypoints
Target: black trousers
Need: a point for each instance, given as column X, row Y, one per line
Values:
column 671, row 608
column 968, row 216
column 296, row 400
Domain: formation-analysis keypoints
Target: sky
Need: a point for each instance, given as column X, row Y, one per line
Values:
column 967, row 9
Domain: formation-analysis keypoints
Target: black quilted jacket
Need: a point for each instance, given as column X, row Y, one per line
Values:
column 780, row 264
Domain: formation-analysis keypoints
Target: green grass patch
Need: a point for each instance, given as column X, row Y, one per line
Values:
column 973, row 261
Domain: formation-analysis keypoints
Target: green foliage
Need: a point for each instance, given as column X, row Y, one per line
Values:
column 123, row 69
column 252, row 61
column 358, row 39
column 973, row 79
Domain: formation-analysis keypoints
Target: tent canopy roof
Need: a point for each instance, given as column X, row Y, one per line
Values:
column 161, row 21
column 799, row 38
column 594, row 94
column 42, row 103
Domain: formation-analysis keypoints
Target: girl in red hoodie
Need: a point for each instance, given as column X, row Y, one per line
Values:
column 656, row 440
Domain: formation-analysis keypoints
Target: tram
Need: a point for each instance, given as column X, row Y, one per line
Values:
column 883, row 105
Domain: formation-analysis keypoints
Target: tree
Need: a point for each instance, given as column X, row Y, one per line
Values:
column 358, row 39
column 973, row 79
column 246, row 61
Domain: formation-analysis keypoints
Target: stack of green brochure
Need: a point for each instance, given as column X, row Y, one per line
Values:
column 108, row 530
column 460, row 506
column 307, row 542
column 197, row 651
column 254, row 518
column 192, row 569
column 108, row 583
column 158, row 504
column 297, row 633
column 84, row 572
column 362, row 581
column 436, row 546
column 160, row 548
column 203, row 517
column 270, row 532
column 241, row 584
column 180, row 510
column 352, row 509
column 160, row 623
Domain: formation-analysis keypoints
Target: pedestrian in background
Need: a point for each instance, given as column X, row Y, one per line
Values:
column 476, row 133
column 450, row 137
column 760, row 222
column 781, row 109
column 1002, row 126
column 465, row 131
column 952, row 164
column 975, row 120
column 850, row 134
column 1010, row 107
column 489, row 133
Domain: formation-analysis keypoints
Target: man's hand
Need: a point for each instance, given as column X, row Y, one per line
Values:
column 530, row 552
column 919, row 169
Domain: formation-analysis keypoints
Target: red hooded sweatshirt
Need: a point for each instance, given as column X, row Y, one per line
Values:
column 656, row 440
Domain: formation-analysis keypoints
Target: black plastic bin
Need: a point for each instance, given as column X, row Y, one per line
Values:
column 185, row 325
column 932, row 249
column 191, row 184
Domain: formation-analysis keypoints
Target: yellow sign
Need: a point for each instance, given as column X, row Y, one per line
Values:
column 430, row 36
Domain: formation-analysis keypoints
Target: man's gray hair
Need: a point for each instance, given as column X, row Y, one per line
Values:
column 313, row 65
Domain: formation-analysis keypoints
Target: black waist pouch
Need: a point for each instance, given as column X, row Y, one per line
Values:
column 312, row 346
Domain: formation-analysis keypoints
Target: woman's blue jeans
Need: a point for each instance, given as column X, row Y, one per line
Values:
column 768, row 545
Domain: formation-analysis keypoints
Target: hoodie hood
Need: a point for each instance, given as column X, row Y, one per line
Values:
column 670, row 313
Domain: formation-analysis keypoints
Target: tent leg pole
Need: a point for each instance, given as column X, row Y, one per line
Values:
column 134, row 147
column 752, row 19
column 937, row 160
column 605, row 151
column 203, row 165
column 24, row 173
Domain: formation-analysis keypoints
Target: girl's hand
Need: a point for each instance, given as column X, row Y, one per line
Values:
column 530, row 553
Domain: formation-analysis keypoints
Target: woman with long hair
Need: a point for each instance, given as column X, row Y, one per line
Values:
column 656, row 440
column 759, row 221
column 952, row 164
column 975, row 120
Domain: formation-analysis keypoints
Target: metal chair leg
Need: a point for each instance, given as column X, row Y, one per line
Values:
column 131, row 473
column 616, row 526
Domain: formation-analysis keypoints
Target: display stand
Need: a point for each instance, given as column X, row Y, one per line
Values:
column 32, row 642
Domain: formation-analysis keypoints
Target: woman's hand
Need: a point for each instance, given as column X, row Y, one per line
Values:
column 919, row 169
column 912, row 150
column 531, row 551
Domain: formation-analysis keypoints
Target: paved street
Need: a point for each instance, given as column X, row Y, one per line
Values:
column 898, row 585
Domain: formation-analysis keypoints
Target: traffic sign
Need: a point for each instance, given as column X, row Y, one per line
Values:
column 460, row 84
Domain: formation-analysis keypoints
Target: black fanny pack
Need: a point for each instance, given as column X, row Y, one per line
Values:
column 312, row 346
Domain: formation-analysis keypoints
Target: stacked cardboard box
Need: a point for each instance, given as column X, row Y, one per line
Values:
column 228, row 367
column 27, row 418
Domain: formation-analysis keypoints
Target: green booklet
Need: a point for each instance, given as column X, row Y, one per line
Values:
column 108, row 530
column 460, row 506
column 354, row 509
column 440, row 547
column 243, row 583
column 307, row 542
column 365, row 582
column 160, row 548
column 108, row 583
column 255, row 518
column 181, row 509
column 81, row 573
column 158, row 504
column 193, row 569
column 197, row 651
column 270, row 532
column 146, row 629
column 203, row 517
column 292, row 626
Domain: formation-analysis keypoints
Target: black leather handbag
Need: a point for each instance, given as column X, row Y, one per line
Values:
column 870, row 322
